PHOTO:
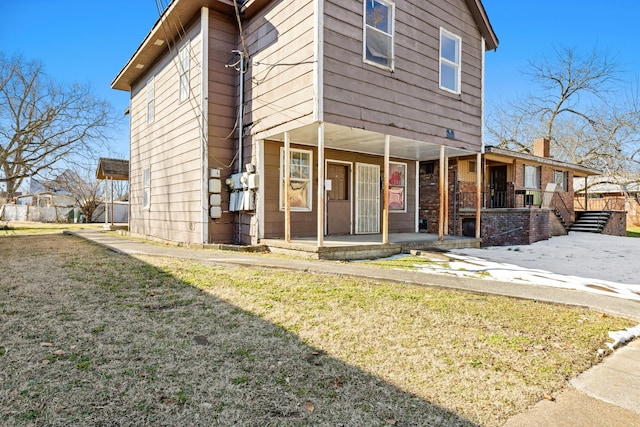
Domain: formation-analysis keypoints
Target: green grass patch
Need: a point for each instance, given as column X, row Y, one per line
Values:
column 633, row 231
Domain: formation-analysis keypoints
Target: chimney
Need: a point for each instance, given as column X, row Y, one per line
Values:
column 541, row 147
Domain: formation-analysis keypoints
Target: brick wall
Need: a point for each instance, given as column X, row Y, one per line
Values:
column 502, row 227
column 617, row 225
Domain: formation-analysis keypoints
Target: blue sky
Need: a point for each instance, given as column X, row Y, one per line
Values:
column 90, row 41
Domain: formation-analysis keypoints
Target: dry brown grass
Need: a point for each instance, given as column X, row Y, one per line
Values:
column 89, row 337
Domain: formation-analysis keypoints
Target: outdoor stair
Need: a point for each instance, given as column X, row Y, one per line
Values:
column 591, row 222
column 561, row 219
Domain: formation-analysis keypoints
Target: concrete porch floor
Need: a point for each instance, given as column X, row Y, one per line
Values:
column 367, row 246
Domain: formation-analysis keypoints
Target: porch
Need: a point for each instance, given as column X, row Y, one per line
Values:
column 367, row 246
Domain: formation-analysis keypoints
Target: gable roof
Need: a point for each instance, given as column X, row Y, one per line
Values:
column 113, row 168
column 578, row 170
column 180, row 12
column 482, row 21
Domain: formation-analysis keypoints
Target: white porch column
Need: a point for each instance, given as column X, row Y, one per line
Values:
column 321, row 193
column 478, row 192
column 287, row 186
column 106, row 201
column 441, row 206
column 385, row 193
column 112, row 208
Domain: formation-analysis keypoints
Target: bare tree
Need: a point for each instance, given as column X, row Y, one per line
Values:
column 582, row 106
column 85, row 189
column 43, row 124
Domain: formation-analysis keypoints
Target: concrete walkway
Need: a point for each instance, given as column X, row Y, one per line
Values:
column 606, row 395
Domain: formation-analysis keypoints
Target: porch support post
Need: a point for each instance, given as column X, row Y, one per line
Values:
column 321, row 192
column 586, row 197
column 106, row 201
column 112, row 208
column 445, row 224
column 287, row 186
column 441, row 194
column 478, row 192
column 385, row 193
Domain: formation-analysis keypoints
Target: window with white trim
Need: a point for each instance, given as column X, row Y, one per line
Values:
column 146, row 187
column 184, row 66
column 300, row 179
column 378, row 33
column 560, row 178
column 450, row 46
column 151, row 100
column 397, row 187
column 531, row 177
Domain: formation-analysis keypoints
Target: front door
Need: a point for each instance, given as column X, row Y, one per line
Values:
column 498, row 186
column 367, row 198
column 339, row 199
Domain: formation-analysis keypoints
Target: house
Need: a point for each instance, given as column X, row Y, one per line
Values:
column 525, row 197
column 255, row 120
column 611, row 193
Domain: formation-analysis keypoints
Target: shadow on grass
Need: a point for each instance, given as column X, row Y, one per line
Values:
column 95, row 338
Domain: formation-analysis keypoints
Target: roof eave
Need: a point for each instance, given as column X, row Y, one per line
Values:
column 484, row 25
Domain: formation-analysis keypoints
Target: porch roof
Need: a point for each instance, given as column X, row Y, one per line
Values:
column 368, row 142
column 113, row 168
column 495, row 153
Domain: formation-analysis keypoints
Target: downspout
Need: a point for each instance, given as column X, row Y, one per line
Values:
column 204, row 111
column 480, row 172
column 240, row 129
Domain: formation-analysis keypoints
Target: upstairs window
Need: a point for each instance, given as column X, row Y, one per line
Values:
column 184, row 65
column 151, row 99
column 378, row 33
column 449, row 61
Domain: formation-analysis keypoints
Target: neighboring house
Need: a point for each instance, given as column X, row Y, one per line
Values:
column 525, row 197
column 336, row 103
column 610, row 193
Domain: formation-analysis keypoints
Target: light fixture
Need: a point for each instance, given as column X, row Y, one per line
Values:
column 139, row 66
column 159, row 42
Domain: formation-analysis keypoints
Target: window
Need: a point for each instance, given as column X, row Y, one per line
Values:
column 299, row 179
column 397, row 187
column 531, row 176
column 378, row 33
column 427, row 168
column 146, row 188
column 472, row 166
column 449, row 61
column 183, row 69
column 560, row 178
column 151, row 108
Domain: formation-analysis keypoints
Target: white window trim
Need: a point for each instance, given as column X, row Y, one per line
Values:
column 537, row 177
column 404, row 186
column 151, row 99
column 457, row 66
column 184, row 72
column 392, row 7
column 310, row 180
column 146, row 188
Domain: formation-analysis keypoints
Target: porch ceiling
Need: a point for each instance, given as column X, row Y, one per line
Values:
column 362, row 141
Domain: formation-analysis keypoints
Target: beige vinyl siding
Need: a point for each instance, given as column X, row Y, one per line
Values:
column 279, row 84
column 222, row 141
column 407, row 102
column 170, row 146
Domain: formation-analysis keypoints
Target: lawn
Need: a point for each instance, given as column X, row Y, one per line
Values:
column 90, row 337
column 633, row 231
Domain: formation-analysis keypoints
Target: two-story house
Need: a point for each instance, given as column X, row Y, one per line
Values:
column 262, row 119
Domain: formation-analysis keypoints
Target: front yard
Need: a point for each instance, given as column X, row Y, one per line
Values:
column 89, row 337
